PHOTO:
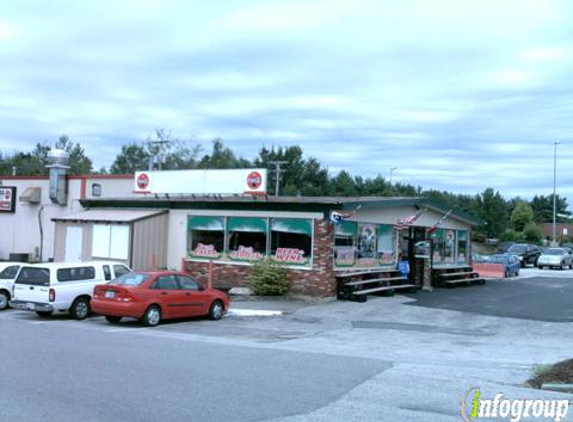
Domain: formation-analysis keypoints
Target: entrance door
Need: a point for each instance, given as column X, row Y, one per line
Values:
column 410, row 252
column 74, row 235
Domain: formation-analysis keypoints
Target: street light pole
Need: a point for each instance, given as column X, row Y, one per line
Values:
column 554, row 187
column 392, row 171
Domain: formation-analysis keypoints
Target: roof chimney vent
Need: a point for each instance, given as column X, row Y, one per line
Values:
column 58, row 164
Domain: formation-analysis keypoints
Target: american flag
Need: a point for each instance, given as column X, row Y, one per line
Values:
column 406, row 222
column 439, row 222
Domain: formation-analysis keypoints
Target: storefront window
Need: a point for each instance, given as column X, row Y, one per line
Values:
column 247, row 238
column 450, row 246
column 291, row 240
column 367, row 251
column 386, row 245
column 438, row 246
column 206, row 237
column 345, row 243
column 462, row 246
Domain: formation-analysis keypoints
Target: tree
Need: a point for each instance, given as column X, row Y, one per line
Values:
column 167, row 152
column 532, row 233
column 79, row 162
column 521, row 216
column 491, row 208
column 222, row 157
column 543, row 208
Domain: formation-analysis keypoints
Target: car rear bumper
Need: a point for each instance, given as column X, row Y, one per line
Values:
column 115, row 308
column 31, row 306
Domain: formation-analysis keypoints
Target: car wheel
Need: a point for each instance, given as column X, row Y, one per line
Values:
column 152, row 316
column 507, row 274
column 217, row 310
column 113, row 319
column 562, row 266
column 44, row 314
column 80, row 308
column 4, row 298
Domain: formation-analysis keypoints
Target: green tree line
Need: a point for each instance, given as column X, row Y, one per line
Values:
column 510, row 219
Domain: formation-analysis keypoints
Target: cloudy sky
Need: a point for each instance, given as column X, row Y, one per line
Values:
column 458, row 95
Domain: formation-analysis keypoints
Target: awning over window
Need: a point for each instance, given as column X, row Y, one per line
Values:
column 346, row 228
column 462, row 235
column 32, row 195
column 247, row 224
column 291, row 225
column 206, row 223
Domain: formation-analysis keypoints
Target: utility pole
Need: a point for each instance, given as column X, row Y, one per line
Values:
column 278, row 172
column 554, row 186
column 159, row 153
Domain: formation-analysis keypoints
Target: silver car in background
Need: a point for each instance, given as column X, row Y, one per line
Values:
column 555, row 258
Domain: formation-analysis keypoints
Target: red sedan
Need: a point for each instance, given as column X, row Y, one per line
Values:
column 153, row 296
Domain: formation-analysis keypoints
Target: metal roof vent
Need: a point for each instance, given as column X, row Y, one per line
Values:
column 58, row 164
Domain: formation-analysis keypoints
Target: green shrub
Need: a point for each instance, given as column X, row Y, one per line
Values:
column 269, row 278
column 532, row 233
column 510, row 235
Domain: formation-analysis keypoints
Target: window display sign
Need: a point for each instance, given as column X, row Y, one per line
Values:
column 344, row 243
column 247, row 238
column 462, row 246
column 450, row 246
column 207, row 237
column 202, row 182
column 291, row 240
column 7, row 199
column 438, row 239
column 366, row 248
column 386, row 245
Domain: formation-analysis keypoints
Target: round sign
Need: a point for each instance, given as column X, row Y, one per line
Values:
column 142, row 181
column 254, row 180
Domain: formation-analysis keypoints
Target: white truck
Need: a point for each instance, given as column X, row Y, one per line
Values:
column 62, row 287
column 8, row 273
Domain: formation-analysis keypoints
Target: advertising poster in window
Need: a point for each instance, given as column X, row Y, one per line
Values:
column 366, row 246
column 206, row 237
column 291, row 241
column 386, row 245
column 344, row 244
column 462, row 246
column 7, row 199
column 450, row 247
column 247, row 238
column 438, row 239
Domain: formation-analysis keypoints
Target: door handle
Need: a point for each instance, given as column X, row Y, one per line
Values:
column 164, row 293
column 187, row 294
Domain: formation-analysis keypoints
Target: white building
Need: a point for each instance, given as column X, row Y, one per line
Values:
column 26, row 209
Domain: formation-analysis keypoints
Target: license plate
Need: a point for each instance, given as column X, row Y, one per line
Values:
column 30, row 306
column 110, row 294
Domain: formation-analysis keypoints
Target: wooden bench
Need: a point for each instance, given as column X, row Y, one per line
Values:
column 452, row 276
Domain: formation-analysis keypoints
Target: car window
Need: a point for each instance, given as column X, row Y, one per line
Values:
column 131, row 279
column 34, row 276
column 75, row 274
column 9, row 272
column 517, row 249
column 187, row 283
column 555, row 251
column 120, row 270
column 167, row 282
column 106, row 272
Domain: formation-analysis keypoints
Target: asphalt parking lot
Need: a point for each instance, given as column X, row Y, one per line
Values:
column 534, row 296
column 400, row 358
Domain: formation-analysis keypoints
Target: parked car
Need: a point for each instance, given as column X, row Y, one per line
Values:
column 527, row 254
column 8, row 273
column 555, row 258
column 510, row 263
column 62, row 287
column 504, row 246
column 154, row 296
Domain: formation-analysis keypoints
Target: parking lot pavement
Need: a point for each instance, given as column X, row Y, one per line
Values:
column 541, row 295
column 436, row 353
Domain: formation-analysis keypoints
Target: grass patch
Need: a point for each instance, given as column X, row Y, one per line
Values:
column 560, row 373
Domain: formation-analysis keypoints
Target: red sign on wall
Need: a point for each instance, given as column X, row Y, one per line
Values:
column 7, row 199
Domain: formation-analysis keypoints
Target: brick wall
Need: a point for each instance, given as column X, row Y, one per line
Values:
column 318, row 282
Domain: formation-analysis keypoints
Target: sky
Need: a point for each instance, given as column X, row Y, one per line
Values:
column 455, row 95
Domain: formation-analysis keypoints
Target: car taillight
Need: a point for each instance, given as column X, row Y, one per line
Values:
column 52, row 295
column 126, row 297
